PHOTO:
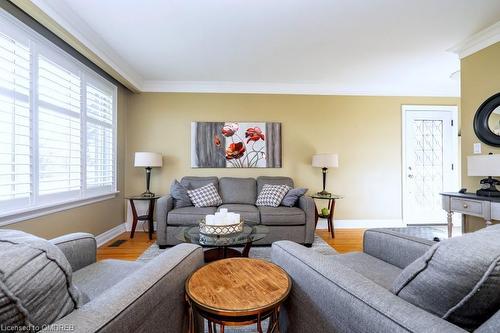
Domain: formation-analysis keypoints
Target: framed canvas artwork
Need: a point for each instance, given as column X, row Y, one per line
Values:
column 235, row 145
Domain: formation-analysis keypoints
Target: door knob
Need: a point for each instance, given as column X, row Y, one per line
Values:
column 410, row 176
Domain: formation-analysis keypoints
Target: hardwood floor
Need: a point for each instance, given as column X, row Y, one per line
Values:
column 346, row 240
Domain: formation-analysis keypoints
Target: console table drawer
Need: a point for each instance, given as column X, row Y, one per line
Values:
column 469, row 207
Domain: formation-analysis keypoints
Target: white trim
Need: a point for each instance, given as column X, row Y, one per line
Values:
column 33, row 212
column 478, row 41
column 140, row 226
column 110, row 234
column 276, row 88
column 426, row 108
column 355, row 224
column 72, row 23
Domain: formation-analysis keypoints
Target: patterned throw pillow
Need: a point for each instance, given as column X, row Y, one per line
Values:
column 271, row 195
column 205, row 196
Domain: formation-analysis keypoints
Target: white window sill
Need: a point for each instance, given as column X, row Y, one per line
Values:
column 30, row 213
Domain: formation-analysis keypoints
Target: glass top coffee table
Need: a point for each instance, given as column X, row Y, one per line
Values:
column 220, row 244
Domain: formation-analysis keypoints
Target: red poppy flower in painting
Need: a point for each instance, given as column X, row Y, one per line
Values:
column 217, row 140
column 235, row 150
column 254, row 134
column 229, row 129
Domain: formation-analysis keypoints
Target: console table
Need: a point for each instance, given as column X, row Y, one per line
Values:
column 487, row 208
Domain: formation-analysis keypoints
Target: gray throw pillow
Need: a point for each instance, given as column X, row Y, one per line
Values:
column 180, row 195
column 292, row 196
column 457, row 279
column 35, row 281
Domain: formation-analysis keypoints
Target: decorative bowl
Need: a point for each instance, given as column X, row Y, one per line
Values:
column 220, row 229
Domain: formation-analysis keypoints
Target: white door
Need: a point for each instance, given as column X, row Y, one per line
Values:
column 430, row 155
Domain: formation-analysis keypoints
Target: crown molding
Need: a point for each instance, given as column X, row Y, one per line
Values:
column 68, row 26
column 276, row 88
column 478, row 41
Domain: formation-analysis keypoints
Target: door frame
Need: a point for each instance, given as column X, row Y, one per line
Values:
column 453, row 109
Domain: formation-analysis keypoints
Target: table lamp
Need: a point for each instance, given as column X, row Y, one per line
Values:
column 325, row 161
column 485, row 166
column 148, row 161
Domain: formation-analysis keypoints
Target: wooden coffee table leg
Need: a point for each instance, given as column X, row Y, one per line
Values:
column 259, row 324
column 246, row 249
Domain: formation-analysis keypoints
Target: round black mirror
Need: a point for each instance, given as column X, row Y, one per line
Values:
column 487, row 121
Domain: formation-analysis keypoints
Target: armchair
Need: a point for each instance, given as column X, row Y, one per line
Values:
column 351, row 292
column 127, row 296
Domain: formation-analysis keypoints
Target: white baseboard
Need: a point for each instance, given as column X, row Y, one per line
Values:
column 110, row 234
column 139, row 227
column 362, row 224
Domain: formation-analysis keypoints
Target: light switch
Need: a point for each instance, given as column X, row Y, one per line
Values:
column 477, row 148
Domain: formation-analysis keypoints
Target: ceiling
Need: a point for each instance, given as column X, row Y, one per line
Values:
column 365, row 47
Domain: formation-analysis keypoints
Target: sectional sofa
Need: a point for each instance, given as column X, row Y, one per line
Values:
column 239, row 195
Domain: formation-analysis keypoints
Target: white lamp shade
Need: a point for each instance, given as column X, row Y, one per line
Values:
column 146, row 159
column 325, row 161
column 483, row 165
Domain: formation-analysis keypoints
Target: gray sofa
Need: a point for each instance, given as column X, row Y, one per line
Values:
column 239, row 195
column 351, row 292
column 127, row 296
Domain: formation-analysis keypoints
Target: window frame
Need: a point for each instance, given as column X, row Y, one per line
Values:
column 40, row 205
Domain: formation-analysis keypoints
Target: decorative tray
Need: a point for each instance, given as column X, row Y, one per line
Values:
column 220, row 229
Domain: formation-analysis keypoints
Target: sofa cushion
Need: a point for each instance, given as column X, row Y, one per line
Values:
column 180, row 195
column 377, row 270
column 292, row 196
column 262, row 180
column 205, row 196
column 457, row 279
column 282, row 216
column 192, row 182
column 96, row 278
column 36, row 285
column 238, row 190
column 249, row 213
column 188, row 215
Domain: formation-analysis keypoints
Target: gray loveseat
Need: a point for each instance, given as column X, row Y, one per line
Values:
column 127, row 296
column 239, row 195
column 345, row 293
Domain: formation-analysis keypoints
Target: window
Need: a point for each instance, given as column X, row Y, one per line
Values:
column 57, row 126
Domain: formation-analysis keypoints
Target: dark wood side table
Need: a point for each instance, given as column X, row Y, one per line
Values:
column 149, row 216
column 237, row 292
column 331, row 209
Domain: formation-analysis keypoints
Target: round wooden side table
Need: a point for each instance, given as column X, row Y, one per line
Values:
column 237, row 292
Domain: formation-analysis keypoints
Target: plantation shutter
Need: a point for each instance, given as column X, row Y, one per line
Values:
column 15, row 129
column 100, row 137
column 59, row 132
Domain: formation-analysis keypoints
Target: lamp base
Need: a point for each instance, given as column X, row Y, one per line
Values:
column 147, row 194
column 324, row 193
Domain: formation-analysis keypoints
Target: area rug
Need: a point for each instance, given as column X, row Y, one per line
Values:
column 261, row 252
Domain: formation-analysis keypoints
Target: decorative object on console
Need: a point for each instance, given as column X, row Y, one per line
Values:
column 325, row 161
column 272, row 195
column 487, row 121
column 205, row 196
column 485, row 166
column 235, row 145
column 148, row 161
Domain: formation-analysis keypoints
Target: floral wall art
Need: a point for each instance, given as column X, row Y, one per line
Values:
column 235, row 145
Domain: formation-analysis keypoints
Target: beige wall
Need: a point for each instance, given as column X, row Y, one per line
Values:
column 364, row 131
column 480, row 78
column 94, row 218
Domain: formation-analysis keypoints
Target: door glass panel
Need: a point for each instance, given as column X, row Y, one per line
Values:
column 426, row 176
